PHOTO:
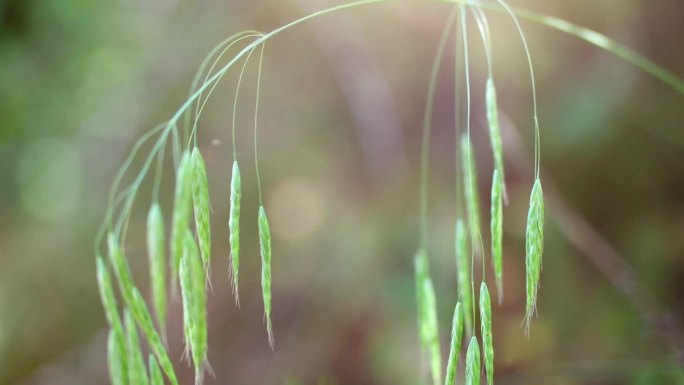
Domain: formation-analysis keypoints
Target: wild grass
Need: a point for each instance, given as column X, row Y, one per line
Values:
column 190, row 256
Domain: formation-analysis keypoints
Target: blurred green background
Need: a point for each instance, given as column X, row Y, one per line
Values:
column 341, row 110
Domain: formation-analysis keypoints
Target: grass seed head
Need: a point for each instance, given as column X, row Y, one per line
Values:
column 455, row 347
column 104, row 282
column 156, row 377
column 486, row 329
column 265, row 245
column 497, row 231
column 116, row 357
column 234, row 228
column 463, row 274
column 182, row 208
column 429, row 319
column 122, row 270
column 534, row 247
column 202, row 206
column 471, row 194
column 472, row 370
column 136, row 364
column 157, row 260
column 193, row 291
column 494, row 130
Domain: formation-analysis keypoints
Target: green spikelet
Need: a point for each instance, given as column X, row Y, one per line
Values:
column 429, row 319
column 136, row 364
column 486, row 329
column 497, row 231
column 157, row 260
column 116, row 357
column 471, row 195
column 455, row 348
column 534, row 247
column 182, row 208
column 156, row 377
column 265, row 244
column 193, row 292
column 463, row 274
column 104, row 282
column 122, row 270
column 472, row 370
column 494, row 131
column 142, row 316
column 202, row 206
column 234, row 227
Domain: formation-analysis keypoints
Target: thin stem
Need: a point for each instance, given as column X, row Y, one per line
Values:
column 256, row 119
column 235, row 101
column 427, row 128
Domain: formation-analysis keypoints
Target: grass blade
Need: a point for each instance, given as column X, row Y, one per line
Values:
column 234, row 228
column 497, row 231
column 534, row 247
column 157, row 260
column 455, row 348
column 202, row 206
column 486, row 329
column 265, row 245
column 472, row 371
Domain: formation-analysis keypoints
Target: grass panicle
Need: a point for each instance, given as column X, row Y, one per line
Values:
column 429, row 319
column 137, row 373
column 496, row 227
column 156, row 377
column 157, row 262
column 534, row 247
column 486, row 331
column 142, row 316
column 234, row 228
column 472, row 369
column 470, row 190
column 202, row 206
column 193, row 292
column 116, row 357
column 182, row 209
column 455, row 347
column 265, row 245
column 494, row 130
column 463, row 274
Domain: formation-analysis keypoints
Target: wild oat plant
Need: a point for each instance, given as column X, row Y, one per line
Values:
column 188, row 261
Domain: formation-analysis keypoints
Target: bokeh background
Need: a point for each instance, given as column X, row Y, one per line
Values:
column 340, row 121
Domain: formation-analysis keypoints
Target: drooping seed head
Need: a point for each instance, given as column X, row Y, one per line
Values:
column 156, row 377
column 265, row 245
column 455, row 347
column 193, row 292
column 497, row 231
column 463, row 274
column 116, row 357
column 157, row 260
column 534, row 247
column 182, row 208
column 429, row 319
column 202, row 206
column 472, row 370
column 136, row 365
column 234, row 227
column 470, row 192
column 104, row 282
column 121, row 268
column 486, row 330
column 494, row 130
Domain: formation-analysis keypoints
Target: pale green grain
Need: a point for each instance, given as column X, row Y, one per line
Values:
column 116, row 357
column 494, row 130
column 182, row 208
column 463, row 274
column 432, row 330
column 156, row 377
column 470, row 190
column 136, row 364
